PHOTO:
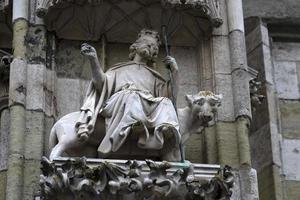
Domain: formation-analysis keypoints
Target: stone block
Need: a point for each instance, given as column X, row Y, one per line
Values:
column 286, row 79
column 241, row 93
column 17, row 130
column 248, row 184
column 235, row 15
column 36, row 45
column 188, row 75
column 298, row 74
column 236, row 190
column 290, row 158
column 275, row 9
column 187, row 63
column 4, row 136
column 31, row 179
column 15, row 177
column 223, row 29
column 34, row 135
column 237, row 50
column 257, row 37
column 261, row 148
column 49, row 122
column 211, row 146
column 183, row 90
column 292, row 190
column 49, row 87
column 221, row 54
column 268, row 65
column 116, row 53
column 286, row 51
column 20, row 29
column 276, row 140
column 194, row 150
column 227, row 144
column 35, row 87
column 266, row 183
column 3, row 178
column 17, row 81
column 70, row 63
column 290, row 115
column 69, row 96
column 224, row 87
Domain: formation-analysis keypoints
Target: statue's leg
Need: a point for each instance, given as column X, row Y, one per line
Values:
column 57, row 151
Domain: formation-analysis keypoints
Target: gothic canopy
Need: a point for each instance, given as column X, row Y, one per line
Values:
column 186, row 21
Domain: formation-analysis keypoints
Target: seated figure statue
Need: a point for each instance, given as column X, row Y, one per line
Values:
column 131, row 94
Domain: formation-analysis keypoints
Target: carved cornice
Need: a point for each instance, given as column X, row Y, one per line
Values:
column 70, row 179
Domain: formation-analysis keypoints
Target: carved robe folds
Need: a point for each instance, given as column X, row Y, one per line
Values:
column 133, row 94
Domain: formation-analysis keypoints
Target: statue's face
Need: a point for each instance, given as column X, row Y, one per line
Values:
column 147, row 47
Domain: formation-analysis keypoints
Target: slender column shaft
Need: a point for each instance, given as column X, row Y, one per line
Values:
column 17, row 96
column 240, row 79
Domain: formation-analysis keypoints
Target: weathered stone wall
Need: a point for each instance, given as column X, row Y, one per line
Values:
column 4, row 134
column 287, row 78
column 275, row 9
column 274, row 134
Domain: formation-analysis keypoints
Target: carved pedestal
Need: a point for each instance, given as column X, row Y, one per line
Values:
column 96, row 179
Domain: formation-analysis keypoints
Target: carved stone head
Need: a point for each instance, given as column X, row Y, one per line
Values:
column 204, row 105
column 147, row 45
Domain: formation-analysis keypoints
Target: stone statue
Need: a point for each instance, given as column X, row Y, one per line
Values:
column 127, row 96
column 193, row 118
column 131, row 94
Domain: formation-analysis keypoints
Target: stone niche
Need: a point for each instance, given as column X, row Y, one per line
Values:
column 111, row 26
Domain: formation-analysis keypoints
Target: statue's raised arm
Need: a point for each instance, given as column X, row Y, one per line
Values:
column 98, row 75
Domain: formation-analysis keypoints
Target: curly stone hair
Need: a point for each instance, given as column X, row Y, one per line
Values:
column 139, row 41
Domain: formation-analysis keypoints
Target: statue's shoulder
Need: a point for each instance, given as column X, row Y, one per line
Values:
column 119, row 65
column 124, row 64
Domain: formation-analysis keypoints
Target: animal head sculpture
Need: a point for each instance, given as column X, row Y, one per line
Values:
column 204, row 106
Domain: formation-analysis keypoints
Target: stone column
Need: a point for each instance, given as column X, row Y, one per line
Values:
column 40, row 80
column 17, row 96
column 240, row 79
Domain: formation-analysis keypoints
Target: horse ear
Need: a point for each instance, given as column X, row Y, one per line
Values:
column 190, row 99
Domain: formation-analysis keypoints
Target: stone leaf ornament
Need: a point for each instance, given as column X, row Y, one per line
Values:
column 76, row 180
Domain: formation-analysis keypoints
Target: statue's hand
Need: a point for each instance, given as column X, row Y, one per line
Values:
column 88, row 51
column 171, row 62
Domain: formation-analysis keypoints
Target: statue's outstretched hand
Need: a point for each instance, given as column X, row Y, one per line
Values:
column 171, row 62
column 88, row 50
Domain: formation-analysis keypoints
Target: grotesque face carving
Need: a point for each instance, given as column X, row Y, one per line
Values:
column 147, row 45
column 204, row 105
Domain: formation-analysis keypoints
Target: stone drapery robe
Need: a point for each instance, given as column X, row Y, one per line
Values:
column 132, row 94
